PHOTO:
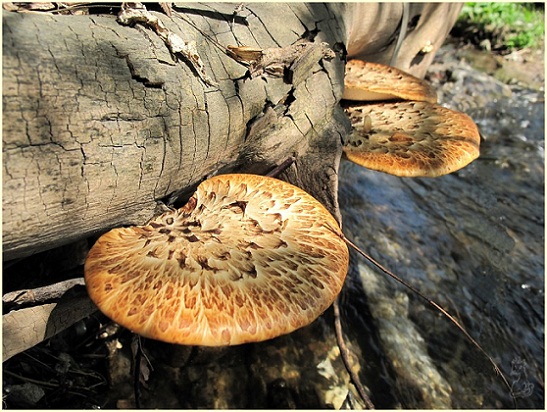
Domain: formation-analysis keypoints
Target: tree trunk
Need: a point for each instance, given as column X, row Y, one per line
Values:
column 427, row 28
column 102, row 121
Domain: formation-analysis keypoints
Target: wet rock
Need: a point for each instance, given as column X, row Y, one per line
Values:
column 460, row 86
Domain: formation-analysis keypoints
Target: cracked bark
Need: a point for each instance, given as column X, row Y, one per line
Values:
column 101, row 121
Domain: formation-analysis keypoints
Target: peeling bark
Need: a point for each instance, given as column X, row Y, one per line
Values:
column 29, row 326
column 373, row 29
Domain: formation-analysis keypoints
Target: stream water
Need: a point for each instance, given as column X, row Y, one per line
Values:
column 473, row 241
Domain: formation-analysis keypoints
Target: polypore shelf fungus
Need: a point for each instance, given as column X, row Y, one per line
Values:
column 247, row 259
column 414, row 137
column 365, row 81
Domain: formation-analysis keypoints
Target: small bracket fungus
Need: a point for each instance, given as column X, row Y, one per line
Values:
column 366, row 81
column 248, row 258
column 411, row 138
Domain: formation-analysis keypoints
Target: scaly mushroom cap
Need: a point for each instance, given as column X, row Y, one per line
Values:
column 366, row 81
column 248, row 258
column 411, row 138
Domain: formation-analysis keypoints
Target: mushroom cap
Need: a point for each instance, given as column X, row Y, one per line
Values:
column 248, row 258
column 366, row 81
column 411, row 138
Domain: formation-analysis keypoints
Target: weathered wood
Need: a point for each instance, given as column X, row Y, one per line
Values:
column 42, row 294
column 24, row 328
column 101, row 121
column 428, row 26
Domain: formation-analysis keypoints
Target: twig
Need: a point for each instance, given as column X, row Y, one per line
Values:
column 137, row 355
column 30, row 380
column 279, row 169
column 55, row 385
column 142, row 368
column 344, row 352
column 42, row 294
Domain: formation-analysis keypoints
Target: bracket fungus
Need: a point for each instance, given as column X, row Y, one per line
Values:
column 247, row 259
column 412, row 138
column 367, row 81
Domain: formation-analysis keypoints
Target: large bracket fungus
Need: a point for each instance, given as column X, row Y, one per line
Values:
column 248, row 258
column 411, row 138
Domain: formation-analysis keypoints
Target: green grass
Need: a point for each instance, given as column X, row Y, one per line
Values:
column 508, row 26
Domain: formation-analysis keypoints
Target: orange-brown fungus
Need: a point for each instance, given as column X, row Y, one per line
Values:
column 248, row 258
column 411, row 138
column 366, row 81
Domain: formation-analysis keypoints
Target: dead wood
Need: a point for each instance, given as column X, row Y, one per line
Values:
column 102, row 121
column 24, row 328
column 41, row 295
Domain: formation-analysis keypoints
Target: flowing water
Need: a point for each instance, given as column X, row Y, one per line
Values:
column 473, row 241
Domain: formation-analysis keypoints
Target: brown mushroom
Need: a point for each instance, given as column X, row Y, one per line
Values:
column 411, row 138
column 366, row 81
column 248, row 258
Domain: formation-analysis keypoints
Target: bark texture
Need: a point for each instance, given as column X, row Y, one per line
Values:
column 374, row 26
column 101, row 120
column 28, row 326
